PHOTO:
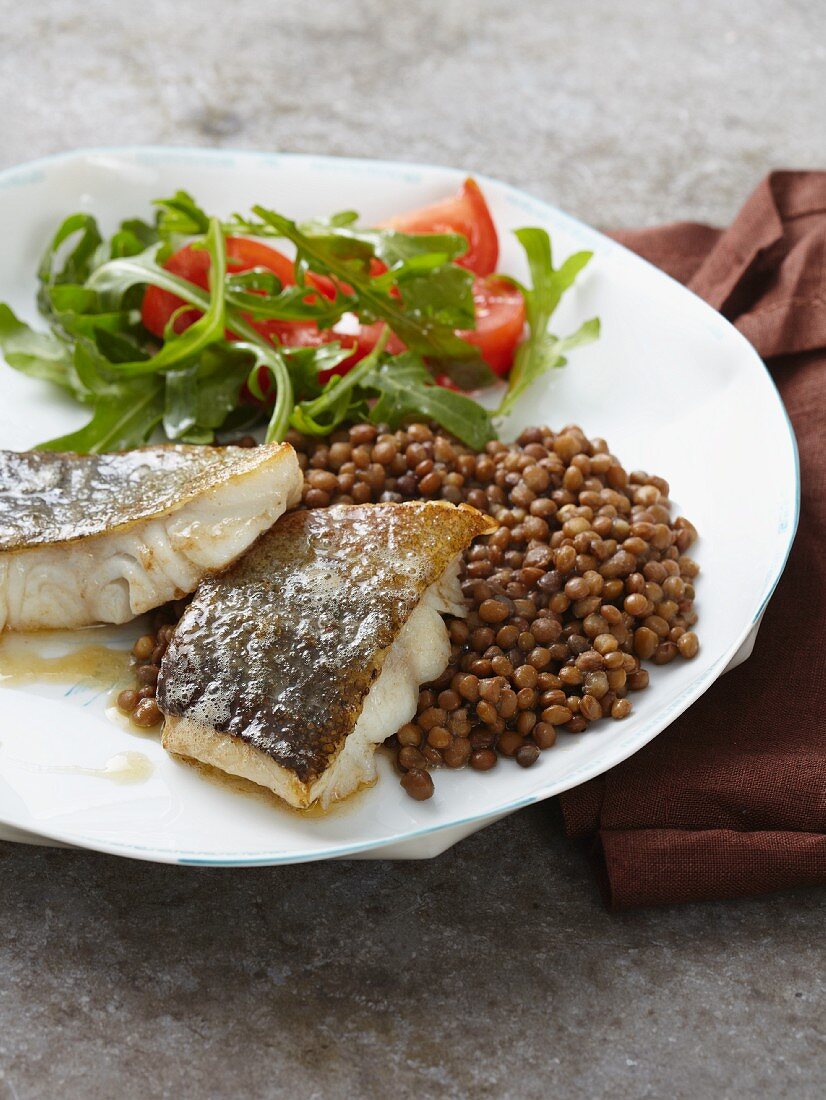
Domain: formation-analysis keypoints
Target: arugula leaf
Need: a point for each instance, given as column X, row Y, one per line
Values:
column 199, row 398
column 118, row 347
column 544, row 354
column 261, row 294
column 78, row 263
column 76, row 311
column 37, row 354
column 181, row 215
column 542, row 351
column 178, row 350
column 71, row 298
column 305, row 365
column 258, row 278
column 133, row 236
column 349, row 248
column 442, row 296
column 72, row 254
column 549, row 283
column 337, row 409
column 93, row 371
column 124, row 420
column 394, row 248
column 114, row 279
column 269, row 358
column 180, row 412
column 223, row 370
column 406, row 390
column 467, row 374
column 240, row 420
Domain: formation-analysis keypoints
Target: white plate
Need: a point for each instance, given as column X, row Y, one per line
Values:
column 671, row 385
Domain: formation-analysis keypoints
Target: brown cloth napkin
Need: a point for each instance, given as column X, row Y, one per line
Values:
column 731, row 798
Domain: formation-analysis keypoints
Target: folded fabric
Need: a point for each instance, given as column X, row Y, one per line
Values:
column 731, row 799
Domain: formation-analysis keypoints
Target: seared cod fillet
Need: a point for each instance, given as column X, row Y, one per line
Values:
column 290, row 668
column 102, row 538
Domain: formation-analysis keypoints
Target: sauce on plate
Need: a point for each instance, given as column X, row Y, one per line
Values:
column 25, row 659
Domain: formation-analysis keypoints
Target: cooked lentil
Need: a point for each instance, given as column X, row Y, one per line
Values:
column 585, row 578
column 146, row 713
column 418, row 784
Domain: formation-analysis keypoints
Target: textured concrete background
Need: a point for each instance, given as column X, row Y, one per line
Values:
column 492, row 971
column 622, row 113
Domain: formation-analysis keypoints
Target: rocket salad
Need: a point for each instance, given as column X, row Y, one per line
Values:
column 203, row 327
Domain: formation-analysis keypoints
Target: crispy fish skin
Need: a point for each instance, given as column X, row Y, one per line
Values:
column 48, row 498
column 419, row 654
column 281, row 652
column 102, row 538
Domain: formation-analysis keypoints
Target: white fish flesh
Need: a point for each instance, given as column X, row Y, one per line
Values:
column 102, row 538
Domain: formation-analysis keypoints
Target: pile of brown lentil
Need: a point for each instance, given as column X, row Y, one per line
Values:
column 585, row 579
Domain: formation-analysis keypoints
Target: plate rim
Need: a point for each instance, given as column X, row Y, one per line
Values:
column 656, row 724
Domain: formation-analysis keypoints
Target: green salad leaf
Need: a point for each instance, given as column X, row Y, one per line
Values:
column 77, row 261
column 306, row 365
column 180, row 215
column 407, row 390
column 37, row 354
column 467, row 374
column 133, row 236
column 220, row 365
column 542, row 351
column 180, row 350
column 121, row 420
column 220, row 374
column 261, row 295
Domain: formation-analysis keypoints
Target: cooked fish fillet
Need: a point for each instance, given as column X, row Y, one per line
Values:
column 290, row 668
column 102, row 538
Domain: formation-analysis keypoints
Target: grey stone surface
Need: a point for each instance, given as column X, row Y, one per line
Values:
column 623, row 113
column 492, row 971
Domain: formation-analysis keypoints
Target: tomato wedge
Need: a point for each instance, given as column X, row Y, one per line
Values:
column 192, row 264
column 500, row 319
column 466, row 213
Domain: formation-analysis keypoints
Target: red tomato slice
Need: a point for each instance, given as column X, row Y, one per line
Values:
column 466, row 213
column 192, row 264
column 500, row 319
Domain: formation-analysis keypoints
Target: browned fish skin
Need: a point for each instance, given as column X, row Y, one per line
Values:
column 282, row 649
column 48, row 499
